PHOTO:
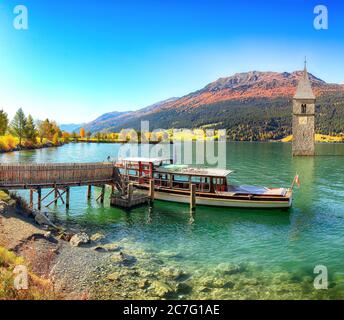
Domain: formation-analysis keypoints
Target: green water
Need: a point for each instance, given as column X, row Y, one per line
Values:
column 279, row 248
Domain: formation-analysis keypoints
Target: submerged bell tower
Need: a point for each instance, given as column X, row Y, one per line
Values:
column 304, row 118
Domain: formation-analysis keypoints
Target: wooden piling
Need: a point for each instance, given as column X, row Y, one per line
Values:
column 151, row 190
column 89, row 192
column 39, row 199
column 56, row 196
column 130, row 192
column 31, row 199
column 67, row 197
column 102, row 196
column 193, row 197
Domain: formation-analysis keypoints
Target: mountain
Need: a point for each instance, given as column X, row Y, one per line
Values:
column 110, row 122
column 106, row 121
column 251, row 106
column 71, row 127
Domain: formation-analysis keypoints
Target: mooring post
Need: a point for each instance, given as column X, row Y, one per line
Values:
column 112, row 190
column 151, row 191
column 31, row 199
column 67, row 197
column 130, row 192
column 193, row 197
column 89, row 192
column 56, row 196
column 102, row 194
column 39, row 199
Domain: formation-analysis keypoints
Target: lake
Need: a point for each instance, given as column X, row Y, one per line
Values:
column 278, row 250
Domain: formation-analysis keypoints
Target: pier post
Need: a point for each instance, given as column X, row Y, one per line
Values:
column 56, row 196
column 89, row 192
column 102, row 194
column 193, row 198
column 39, row 199
column 67, row 197
column 31, row 199
column 130, row 192
column 151, row 191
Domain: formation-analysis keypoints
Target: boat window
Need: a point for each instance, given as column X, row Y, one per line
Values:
column 160, row 176
column 132, row 172
column 195, row 179
column 216, row 181
column 181, row 178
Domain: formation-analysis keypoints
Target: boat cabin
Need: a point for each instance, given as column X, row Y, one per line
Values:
column 166, row 175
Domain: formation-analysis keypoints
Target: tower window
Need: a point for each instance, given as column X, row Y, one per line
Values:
column 303, row 109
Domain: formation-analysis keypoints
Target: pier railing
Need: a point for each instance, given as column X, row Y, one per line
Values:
column 22, row 176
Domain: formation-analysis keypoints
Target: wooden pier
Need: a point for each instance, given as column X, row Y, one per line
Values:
column 59, row 178
column 129, row 200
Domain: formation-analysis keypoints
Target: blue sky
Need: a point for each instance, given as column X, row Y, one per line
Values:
column 79, row 59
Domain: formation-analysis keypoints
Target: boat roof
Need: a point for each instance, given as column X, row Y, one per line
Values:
column 202, row 172
column 156, row 160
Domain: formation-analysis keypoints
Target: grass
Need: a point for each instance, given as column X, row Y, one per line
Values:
column 39, row 289
column 319, row 138
column 4, row 196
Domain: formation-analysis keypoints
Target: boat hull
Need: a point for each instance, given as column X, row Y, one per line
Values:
column 224, row 202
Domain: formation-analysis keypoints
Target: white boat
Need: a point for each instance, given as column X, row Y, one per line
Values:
column 173, row 182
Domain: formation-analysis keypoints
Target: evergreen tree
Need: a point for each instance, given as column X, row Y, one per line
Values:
column 3, row 122
column 30, row 130
column 18, row 124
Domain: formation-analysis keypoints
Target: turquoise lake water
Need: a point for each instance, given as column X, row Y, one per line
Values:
column 272, row 243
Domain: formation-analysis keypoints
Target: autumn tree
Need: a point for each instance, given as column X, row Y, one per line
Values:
column 30, row 130
column 82, row 133
column 88, row 135
column 44, row 129
column 47, row 129
column 65, row 136
column 3, row 122
column 74, row 136
column 17, row 127
column 55, row 139
column 98, row 136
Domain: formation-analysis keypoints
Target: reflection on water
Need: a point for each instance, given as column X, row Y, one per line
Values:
column 275, row 242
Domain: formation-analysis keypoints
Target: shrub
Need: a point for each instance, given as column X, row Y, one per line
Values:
column 8, row 143
column 39, row 289
column 56, row 139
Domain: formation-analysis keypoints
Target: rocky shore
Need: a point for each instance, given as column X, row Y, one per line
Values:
column 83, row 266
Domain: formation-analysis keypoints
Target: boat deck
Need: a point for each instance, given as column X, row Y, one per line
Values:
column 256, row 191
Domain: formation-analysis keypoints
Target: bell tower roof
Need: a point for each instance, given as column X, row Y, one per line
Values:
column 304, row 88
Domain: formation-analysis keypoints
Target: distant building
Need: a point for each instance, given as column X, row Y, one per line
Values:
column 304, row 118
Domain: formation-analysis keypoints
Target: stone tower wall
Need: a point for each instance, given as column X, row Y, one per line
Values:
column 303, row 128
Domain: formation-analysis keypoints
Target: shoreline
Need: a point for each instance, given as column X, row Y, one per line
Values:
column 23, row 148
column 42, row 248
column 124, row 270
column 215, row 140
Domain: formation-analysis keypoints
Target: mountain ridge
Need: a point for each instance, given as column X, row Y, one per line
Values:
column 241, row 96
